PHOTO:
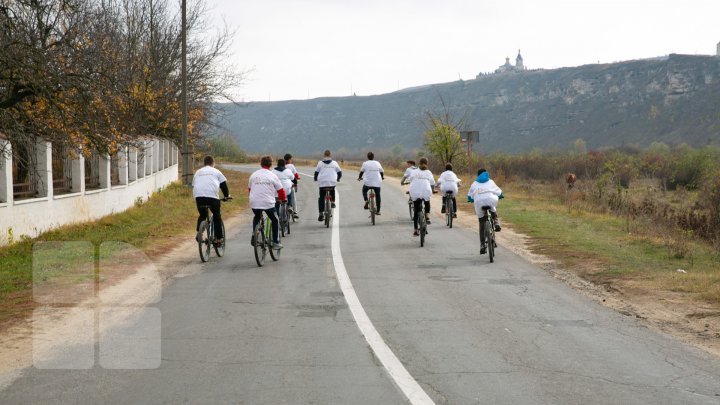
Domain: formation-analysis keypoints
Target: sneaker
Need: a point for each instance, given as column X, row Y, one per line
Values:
column 252, row 240
column 497, row 227
column 366, row 205
column 333, row 205
column 198, row 237
column 454, row 215
column 443, row 210
column 427, row 219
column 277, row 245
column 296, row 216
column 321, row 218
column 377, row 213
column 416, row 233
column 483, row 250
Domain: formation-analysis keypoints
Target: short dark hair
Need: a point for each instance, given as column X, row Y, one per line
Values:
column 371, row 156
column 481, row 171
column 411, row 162
column 266, row 161
column 208, row 161
column 448, row 166
column 423, row 164
column 326, row 153
column 287, row 157
column 281, row 162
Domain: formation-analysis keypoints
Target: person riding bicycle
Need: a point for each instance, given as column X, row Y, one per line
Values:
column 410, row 168
column 264, row 186
column 288, row 164
column 448, row 182
column 327, row 174
column 207, row 183
column 484, row 192
column 421, row 189
column 373, row 176
column 287, row 179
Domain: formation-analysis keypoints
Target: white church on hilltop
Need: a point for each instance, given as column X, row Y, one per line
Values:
column 507, row 67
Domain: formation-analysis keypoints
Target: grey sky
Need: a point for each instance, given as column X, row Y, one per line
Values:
column 316, row 48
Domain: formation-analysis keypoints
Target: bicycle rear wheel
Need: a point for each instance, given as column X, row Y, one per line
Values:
column 204, row 241
column 372, row 208
column 448, row 211
column 274, row 253
column 490, row 240
column 328, row 210
column 422, row 225
column 259, row 246
column 283, row 219
column 412, row 210
column 220, row 247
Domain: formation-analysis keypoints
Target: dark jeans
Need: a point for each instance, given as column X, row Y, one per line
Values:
column 377, row 195
column 418, row 208
column 454, row 200
column 214, row 205
column 273, row 219
column 321, row 199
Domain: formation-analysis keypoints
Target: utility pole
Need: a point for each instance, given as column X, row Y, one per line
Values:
column 187, row 170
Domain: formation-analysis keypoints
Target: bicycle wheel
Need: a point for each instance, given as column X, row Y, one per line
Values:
column 422, row 225
column 412, row 209
column 220, row 248
column 204, row 241
column 283, row 219
column 328, row 210
column 448, row 212
column 260, row 246
column 372, row 208
column 490, row 238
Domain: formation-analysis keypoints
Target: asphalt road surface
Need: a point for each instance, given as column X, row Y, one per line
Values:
column 442, row 325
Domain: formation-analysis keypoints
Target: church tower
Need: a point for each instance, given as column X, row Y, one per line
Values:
column 519, row 60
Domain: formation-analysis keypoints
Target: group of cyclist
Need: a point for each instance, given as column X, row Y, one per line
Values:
column 268, row 187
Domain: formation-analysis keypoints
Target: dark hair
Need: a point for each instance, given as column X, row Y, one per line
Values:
column 208, row 161
column 287, row 157
column 281, row 162
column 423, row 164
column 326, row 153
column 371, row 156
column 411, row 162
column 481, row 171
column 448, row 166
column 266, row 161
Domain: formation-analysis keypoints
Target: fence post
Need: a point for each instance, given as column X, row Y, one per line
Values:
column 104, row 169
column 78, row 174
column 43, row 156
column 6, row 194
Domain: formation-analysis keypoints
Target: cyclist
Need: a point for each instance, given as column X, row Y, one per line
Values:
column 206, row 183
column 410, row 168
column 264, row 186
column 291, row 198
column 421, row 189
column 287, row 179
column 484, row 192
column 373, row 172
column 327, row 174
column 448, row 181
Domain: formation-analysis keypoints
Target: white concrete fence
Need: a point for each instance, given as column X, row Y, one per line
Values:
column 83, row 190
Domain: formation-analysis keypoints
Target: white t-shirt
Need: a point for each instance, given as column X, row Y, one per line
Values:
column 292, row 168
column 286, row 177
column 371, row 170
column 327, row 173
column 263, row 185
column 408, row 172
column 448, row 181
column 484, row 194
column 206, row 182
column 421, row 182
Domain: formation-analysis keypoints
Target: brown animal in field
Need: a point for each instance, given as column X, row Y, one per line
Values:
column 571, row 178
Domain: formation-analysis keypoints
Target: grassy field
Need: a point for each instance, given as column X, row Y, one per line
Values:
column 608, row 249
column 154, row 227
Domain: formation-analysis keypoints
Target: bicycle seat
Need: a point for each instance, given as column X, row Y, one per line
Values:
column 448, row 193
column 486, row 207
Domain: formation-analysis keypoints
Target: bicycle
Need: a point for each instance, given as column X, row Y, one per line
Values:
column 487, row 235
column 328, row 211
column 294, row 204
column 411, row 206
column 371, row 205
column 206, row 235
column 449, row 208
column 284, row 217
column 262, row 241
column 422, row 224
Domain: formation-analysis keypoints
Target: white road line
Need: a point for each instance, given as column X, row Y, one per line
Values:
column 394, row 367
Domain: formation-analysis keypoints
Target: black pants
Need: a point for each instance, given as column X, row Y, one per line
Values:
column 418, row 208
column 377, row 195
column 273, row 219
column 454, row 200
column 321, row 199
column 214, row 205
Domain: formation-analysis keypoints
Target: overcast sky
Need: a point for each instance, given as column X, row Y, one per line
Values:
column 300, row 49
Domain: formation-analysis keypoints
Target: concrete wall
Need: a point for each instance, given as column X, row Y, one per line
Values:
column 31, row 217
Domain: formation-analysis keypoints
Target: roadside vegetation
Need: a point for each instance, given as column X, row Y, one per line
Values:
column 155, row 227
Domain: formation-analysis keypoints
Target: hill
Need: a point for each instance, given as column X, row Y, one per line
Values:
column 672, row 99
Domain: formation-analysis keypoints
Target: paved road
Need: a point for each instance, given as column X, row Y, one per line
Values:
column 466, row 331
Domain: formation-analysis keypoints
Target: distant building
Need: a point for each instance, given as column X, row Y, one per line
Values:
column 508, row 67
